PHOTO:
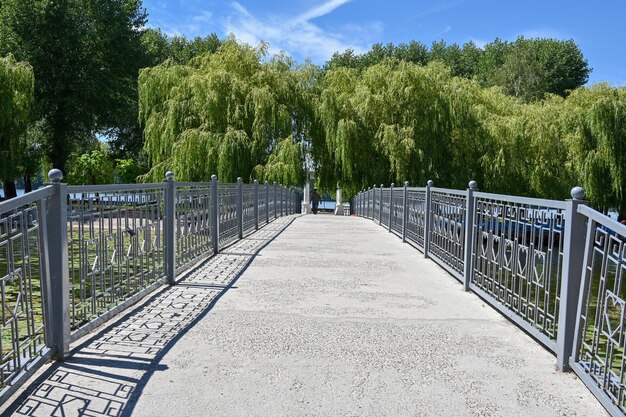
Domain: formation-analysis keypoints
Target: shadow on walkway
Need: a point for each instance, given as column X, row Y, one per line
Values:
column 105, row 375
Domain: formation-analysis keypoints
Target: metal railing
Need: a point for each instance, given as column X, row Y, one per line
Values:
column 115, row 246
column 598, row 354
column 557, row 269
column 193, row 222
column 73, row 256
column 24, row 286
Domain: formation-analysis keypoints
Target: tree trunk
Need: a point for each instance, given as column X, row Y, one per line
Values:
column 9, row 189
column 28, row 183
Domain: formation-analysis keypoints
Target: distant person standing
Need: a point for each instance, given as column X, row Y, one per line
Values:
column 315, row 199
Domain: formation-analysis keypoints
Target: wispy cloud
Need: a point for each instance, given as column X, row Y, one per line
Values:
column 321, row 10
column 297, row 34
column 204, row 17
column 543, row 33
column 480, row 43
column 439, row 8
column 446, row 30
column 191, row 26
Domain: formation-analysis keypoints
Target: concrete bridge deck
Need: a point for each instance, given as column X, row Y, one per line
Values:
column 334, row 317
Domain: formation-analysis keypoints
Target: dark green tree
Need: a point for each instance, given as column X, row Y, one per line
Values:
column 531, row 68
column 16, row 100
column 84, row 57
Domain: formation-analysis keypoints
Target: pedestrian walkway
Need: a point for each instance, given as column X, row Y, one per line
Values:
column 332, row 317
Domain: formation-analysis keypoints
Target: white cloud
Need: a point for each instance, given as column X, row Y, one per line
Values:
column 543, row 33
column 204, row 17
column 439, row 8
column 479, row 42
column 191, row 26
column 321, row 10
column 297, row 35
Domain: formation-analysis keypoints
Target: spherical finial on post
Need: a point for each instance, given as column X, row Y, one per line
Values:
column 382, row 185
column 55, row 175
column 169, row 175
column 213, row 177
column 239, row 179
column 472, row 185
column 267, row 182
column 256, row 181
column 430, row 183
column 578, row 193
column 393, row 184
column 406, row 183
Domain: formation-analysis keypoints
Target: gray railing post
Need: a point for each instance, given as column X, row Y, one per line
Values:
column 468, row 267
column 405, row 210
column 267, row 202
column 256, row 205
column 275, row 201
column 282, row 200
column 215, row 214
column 380, row 205
column 58, row 294
column 369, row 204
column 427, row 218
column 291, row 200
column 170, row 228
column 390, row 205
column 240, row 207
column 573, row 254
column 373, row 192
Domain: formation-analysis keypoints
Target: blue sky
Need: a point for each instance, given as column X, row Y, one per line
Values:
column 316, row 28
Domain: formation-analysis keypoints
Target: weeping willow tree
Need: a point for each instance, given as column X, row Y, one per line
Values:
column 16, row 101
column 597, row 120
column 398, row 121
column 240, row 113
column 235, row 113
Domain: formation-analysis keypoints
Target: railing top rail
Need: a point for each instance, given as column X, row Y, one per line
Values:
column 417, row 189
column 25, row 199
column 602, row 219
column 539, row 202
column 448, row 191
column 74, row 189
column 193, row 184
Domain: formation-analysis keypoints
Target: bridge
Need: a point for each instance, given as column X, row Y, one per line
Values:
column 401, row 309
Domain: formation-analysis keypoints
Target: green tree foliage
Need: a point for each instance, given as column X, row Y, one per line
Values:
column 415, row 52
column 92, row 168
column 16, row 100
column 597, row 139
column 159, row 47
column 397, row 121
column 233, row 113
column 534, row 67
column 84, row 56
column 526, row 68
column 127, row 170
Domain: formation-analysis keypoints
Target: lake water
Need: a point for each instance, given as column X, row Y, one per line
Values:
column 324, row 204
column 330, row 205
column 19, row 192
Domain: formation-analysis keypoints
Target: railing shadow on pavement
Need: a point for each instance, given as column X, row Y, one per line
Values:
column 73, row 257
column 106, row 374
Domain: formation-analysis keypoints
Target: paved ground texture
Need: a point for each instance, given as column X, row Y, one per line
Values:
column 335, row 317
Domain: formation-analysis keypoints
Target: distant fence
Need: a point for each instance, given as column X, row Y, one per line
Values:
column 555, row 268
column 73, row 256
